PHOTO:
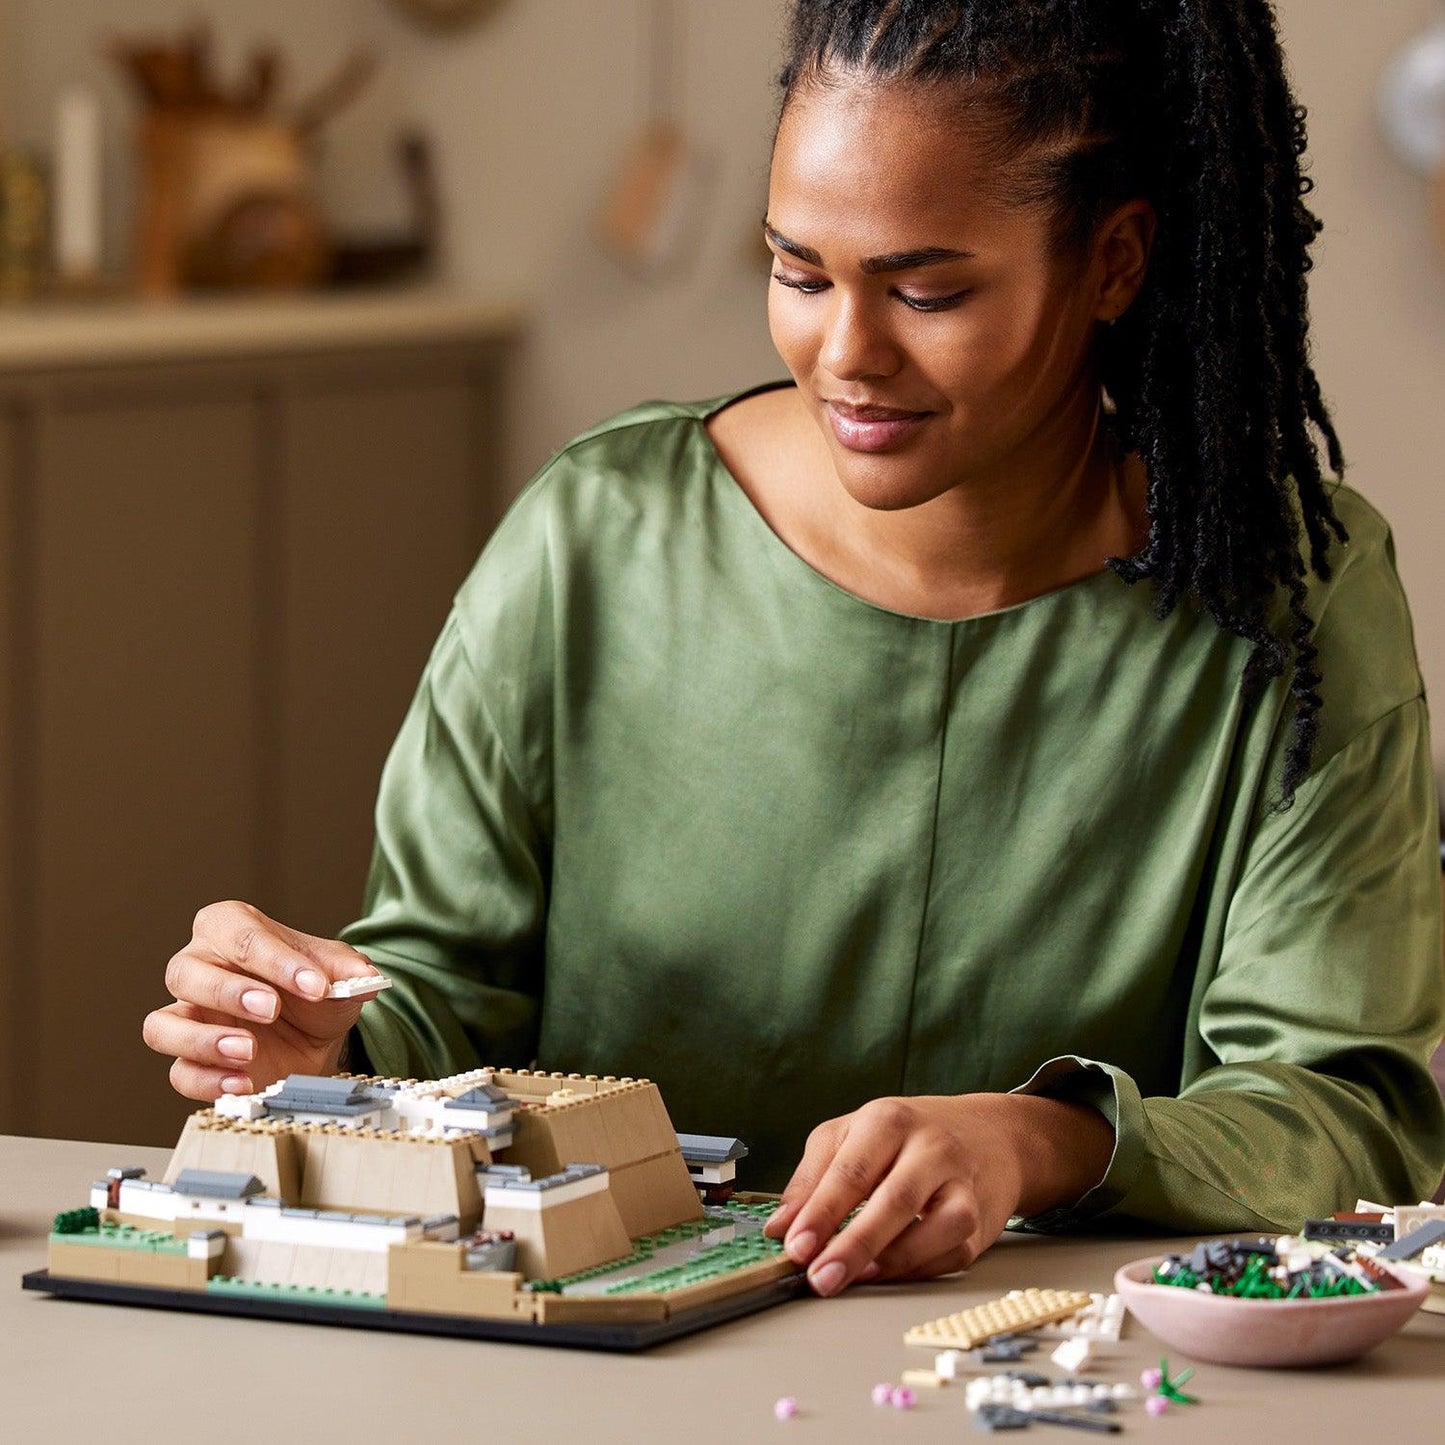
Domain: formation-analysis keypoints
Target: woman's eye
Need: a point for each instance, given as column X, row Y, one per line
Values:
column 811, row 288
column 932, row 303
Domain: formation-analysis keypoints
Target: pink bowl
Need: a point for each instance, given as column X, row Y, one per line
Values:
column 1226, row 1331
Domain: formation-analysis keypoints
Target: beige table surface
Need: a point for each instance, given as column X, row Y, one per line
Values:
column 103, row 1373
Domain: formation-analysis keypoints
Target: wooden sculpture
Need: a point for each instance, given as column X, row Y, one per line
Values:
column 226, row 177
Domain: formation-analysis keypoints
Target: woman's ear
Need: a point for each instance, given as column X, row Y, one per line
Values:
column 1124, row 242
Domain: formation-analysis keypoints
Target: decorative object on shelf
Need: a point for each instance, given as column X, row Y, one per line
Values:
column 1411, row 104
column 227, row 195
column 24, row 210
column 78, row 180
column 447, row 15
column 650, row 218
column 362, row 260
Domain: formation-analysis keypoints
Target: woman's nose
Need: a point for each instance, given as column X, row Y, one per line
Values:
column 855, row 344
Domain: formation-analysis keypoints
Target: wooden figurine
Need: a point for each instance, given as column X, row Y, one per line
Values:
column 226, row 177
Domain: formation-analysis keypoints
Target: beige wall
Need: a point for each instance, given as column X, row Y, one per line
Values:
column 531, row 110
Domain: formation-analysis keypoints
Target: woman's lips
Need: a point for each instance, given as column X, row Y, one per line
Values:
column 872, row 428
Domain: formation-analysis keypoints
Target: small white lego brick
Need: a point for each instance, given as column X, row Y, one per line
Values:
column 1100, row 1321
column 368, row 983
column 946, row 1364
column 1073, row 1354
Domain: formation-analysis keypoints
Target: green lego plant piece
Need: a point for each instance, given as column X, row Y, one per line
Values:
column 75, row 1221
column 1172, row 1389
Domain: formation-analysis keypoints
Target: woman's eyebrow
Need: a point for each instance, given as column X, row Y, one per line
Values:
column 873, row 265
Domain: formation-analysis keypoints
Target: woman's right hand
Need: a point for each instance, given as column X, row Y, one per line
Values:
column 251, row 1004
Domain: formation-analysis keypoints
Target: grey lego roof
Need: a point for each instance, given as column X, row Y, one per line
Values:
column 217, row 1184
column 133, row 1171
column 711, row 1148
column 496, row 1173
column 570, row 1175
column 484, row 1096
column 318, row 1094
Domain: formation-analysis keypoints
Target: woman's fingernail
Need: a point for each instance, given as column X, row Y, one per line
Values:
column 311, row 983
column 236, row 1084
column 802, row 1247
column 829, row 1279
column 258, row 1003
column 236, row 1046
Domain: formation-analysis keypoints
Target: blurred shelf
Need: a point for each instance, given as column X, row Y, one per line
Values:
column 52, row 334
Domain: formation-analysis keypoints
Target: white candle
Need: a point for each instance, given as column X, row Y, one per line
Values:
column 77, row 185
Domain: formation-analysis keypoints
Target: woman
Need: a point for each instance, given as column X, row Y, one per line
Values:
column 1034, row 791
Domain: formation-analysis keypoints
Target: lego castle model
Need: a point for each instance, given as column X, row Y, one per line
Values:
column 504, row 1195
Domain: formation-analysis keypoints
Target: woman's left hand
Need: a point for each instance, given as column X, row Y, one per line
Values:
column 938, row 1178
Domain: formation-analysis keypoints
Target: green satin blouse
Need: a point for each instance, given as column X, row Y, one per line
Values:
column 671, row 803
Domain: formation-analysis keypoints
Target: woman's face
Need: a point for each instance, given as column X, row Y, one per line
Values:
column 933, row 339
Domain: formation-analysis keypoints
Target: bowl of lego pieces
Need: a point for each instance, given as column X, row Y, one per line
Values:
column 1270, row 1300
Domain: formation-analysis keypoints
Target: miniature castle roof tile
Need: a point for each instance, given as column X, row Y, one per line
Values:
column 218, row 1184
column 711, row 1148
column 483, row 1096
column 318, row 1094
column 570, row 1175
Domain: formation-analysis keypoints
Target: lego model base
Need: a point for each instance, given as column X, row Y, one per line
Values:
column 623, row 1336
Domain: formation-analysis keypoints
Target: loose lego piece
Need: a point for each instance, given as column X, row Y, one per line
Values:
column 1005, row 1350
column 1073, row 1355
column 1156, row 1405
column 1416, row 1242
column 946, row 1364
column 1009, row 1417
column 1001, row 1417
column 902, row 1398
column 1020, row 1394
column 1371, row 1231
column 363, row 987
column 786, row 1408
column 1018, row 1310
column 923, row 1379
column 1172, row 1389
column 1076, row 1422
column 882, row 1394
column 1101, row 1321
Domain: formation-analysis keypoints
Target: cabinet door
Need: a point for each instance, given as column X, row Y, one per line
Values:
column 13, row 660
column 380, row 520
column 145, row 717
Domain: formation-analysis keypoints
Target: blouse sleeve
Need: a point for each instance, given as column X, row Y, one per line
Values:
column 1318, row 1022
column 455, row 911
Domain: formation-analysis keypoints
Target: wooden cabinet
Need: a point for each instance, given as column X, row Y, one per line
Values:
column 224, row 556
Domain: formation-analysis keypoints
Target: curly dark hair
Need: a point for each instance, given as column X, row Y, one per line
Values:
column 1085, row 104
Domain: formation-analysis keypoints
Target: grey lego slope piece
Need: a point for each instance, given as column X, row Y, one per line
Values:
column 1416, row 1242
column 218, row 1184
column 711, row 1148
column 319, row 1094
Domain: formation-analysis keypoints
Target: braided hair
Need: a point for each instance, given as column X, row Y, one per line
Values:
column 1083, row 105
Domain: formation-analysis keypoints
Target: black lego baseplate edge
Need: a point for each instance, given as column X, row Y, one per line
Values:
column 624, row 1336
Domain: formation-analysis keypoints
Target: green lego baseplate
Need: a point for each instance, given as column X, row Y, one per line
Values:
column 121, row 1236
column 222, row 1284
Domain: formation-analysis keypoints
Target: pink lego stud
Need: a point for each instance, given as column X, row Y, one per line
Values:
column 882, row 1394
column 786, row 1408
